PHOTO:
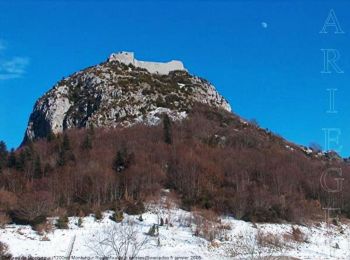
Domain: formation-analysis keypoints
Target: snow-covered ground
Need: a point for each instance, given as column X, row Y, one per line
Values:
column 238, row 240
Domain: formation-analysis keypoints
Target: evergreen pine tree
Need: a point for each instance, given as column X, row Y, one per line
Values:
column 50, row 136
column 66, row 143
column 3, row 155
column 21, row 161
column 3, row 151
column 62, row 222
column 152, row 231
column 87, row 144
column 80, row 222
column 119, row 161
column 65, row 153
column 167, row 129
column 37, row 168
column 61, row 160
column 47, row 169
column 91, row 130
column 29, row 153
column 11, row 161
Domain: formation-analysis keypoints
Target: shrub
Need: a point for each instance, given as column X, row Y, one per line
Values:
column 62, row 222
column 153, row 231
column 268, row 240
column 335, row 222
column 80, row 222
column 98, row 215
column 135, row 208
column 8, row 200
column 43, row 228
column 117, row 217
column 79, row 210
column 33, row 208
column 298, row 235
column 208, row 226
column 4, row 252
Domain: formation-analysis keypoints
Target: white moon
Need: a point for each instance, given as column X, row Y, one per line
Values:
column 264, row 25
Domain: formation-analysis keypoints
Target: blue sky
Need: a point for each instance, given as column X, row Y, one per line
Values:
column 270, row 72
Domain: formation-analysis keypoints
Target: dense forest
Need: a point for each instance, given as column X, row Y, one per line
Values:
column 212, row 160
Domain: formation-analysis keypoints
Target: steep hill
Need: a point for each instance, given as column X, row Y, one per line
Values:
column 120, row 91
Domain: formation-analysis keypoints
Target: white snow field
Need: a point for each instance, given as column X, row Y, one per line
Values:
column 176, row 239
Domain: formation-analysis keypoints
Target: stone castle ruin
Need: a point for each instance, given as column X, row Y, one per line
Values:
column 153, row 67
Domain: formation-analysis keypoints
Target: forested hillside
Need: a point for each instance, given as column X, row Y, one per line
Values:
column 212, row 160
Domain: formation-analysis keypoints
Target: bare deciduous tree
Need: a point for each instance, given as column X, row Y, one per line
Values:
column 33, row 207
column 122, row 241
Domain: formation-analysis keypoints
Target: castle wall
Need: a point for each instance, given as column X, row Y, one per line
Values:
column 152, row 67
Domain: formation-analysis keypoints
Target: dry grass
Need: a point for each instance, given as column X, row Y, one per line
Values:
column 296, row 235
column 44, row 228
column 208, row 225
column 269, row 240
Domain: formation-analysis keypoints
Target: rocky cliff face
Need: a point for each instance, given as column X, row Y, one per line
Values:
column 120, row 92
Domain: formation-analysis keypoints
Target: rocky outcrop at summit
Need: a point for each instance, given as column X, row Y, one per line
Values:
column 121, row 91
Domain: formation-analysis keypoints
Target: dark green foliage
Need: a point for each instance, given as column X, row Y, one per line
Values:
column 48, row 169
column 80, row 210
column 3, row 155
column 119, row 162
column 11, row 161
column 117, row 216
column 62, row 222
column 65, row 153
column 91, row 130
column 133, row 208
column 50, row 136
column 87, row 143
column 66, row 143
column 122, row 160
column 271, row 214
column 152, row 231
column 25, row 159
column 21, row 161
column 37, row 168
column 40, row 219
column 167, row 129
column 80, row 222
column 98, row 215
column 3, row 150
column 160, row 102
column 61, row 160
column 29, row 152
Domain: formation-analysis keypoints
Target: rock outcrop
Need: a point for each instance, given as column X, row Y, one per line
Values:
column 120, row 91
